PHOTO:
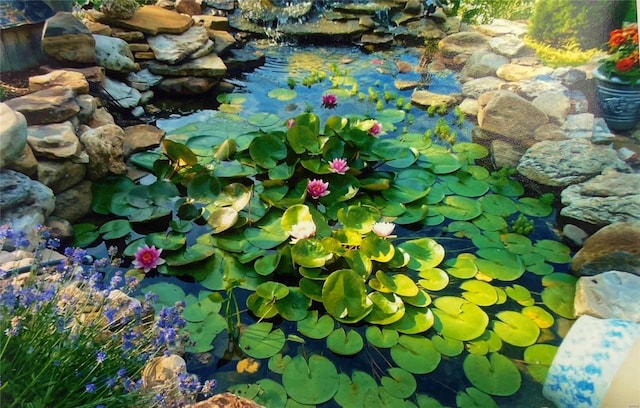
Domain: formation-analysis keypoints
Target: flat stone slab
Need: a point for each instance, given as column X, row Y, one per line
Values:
column 208, row 66
column 150, row 20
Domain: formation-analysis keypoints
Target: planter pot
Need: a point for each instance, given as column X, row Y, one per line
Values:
column 596, row 365
column 618, row 100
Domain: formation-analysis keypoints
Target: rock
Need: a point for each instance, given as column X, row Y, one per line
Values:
column 203, row 51
column 190, row 7
column 532, row 88
column 75, row 202
column 469, row 106
column 579, row 126
column 24, row 203
column 61, row 229
column 210, row 66
column 466, row 42
column 129, row 36
column 114, row 54
column 574, row 235
column 225, row 5
column 566, row 162
column 101, row 117
column 483, row 64
column 140, row 138
column 404, row 85
column 122, row 93
column 516, row 73
column 500, row 27
column 376, row 39
column 143, row 80
column 509, row 115
column 478, row 86
column 172, row 48
column 186, row 85
column 222, row 41
column 550, row 131
column 604, row 199
column 244, row 59
column 216, row 23
column 555, row 104
column 508, row 46
column 13, row 134
column 69, row 79
column 51, row 105
column 609, row 295
column 226, row 400
column 98, row 28
column 25, row 163
column 161, row 371
column 569, row 76
column 427, row 98
column 88, row 105
column 53, row 141
column 413, row 7
column 60, row 175
column 119, row 9
column 505, row 154
column 66, row 39
column 104, row 147
column 614, row 246
column 150, row 20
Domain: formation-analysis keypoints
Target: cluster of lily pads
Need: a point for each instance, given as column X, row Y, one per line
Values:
column 299, row 215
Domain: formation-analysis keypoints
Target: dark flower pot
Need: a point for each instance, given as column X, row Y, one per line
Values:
column 619, row 101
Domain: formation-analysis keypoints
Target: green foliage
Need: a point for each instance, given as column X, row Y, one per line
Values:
column 484, row 11
column 571, row 55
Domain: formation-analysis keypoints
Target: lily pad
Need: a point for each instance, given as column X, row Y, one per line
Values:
column 447, row 347
column 381, row 337
column 415, row 320
column 387, row 308
column 541, row 317
column 425, row 253
column 282, row 94
column 500, row 264
column 416, row 354
column 258, row 341
column 202, row 334
column 478, row 292
column 345, row 343
column 496, row 375
column 516, row 329
column 534, row 207
column 559, row 293
column 459, row 208
column 458, row 318
column 345, row 296
column 463, row 267
column 295, row 306
column 351, row 391
column 539, row 358
column 474, row 398
column 400, row 384
column 263, row 119
column 553, row 251
column 433, row 279
column 314, row 382
column 271, row 394
column 115, row 229
column 497, row 205
column 398, row 283
column 464, row 184
column 278, row 362
column 314, row 327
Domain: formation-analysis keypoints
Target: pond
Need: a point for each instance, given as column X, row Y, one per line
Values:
column 459, row 305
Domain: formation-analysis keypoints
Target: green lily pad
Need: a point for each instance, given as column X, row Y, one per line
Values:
column 488, row 342
column 314, row 327
column 344, row 295
column 516, row 329
column 282, row 94
column 470, row 150
column 559, row 293
column 553, row 251
column 490, row 222
column 271, row 394
column 441, row 162
column 507, row 187
column 267, row 264
column 199, row 309
column 415, row 320
column 474, row 398
column 416, row 354
column 458, row 318
column 534, row 207
column 497, row 205
column 541, row 317
column 272, row 290
column 168, row 293
column 310, row 253
column 115, row 229
column 400, row 384
column 267, row 150
column 261, row 307
column 258, row 341
column 425, row 401
column 295, row 306
column 191, row 254
column 464, row 184
column 278, row 362
column 479, row 292
column 447, row 347
column 496, row 375
column 539, row 358
column 387, row 308
column 263, row 119
column 390, row 115
column 422, row 299
column 398, row 283
column 520, row 294
column 170, row 241
column 202, row 334
column 345, row 343
column 85, row 234
column 351, row 391
column 463, row 266
column 498, row 263
column 425, row 253
column 433, row 279
column 382, row 337
column 459, row 208
column 247, row 391
column 314, row 382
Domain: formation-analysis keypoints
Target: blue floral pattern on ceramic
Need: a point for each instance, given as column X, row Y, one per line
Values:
column 588, row 360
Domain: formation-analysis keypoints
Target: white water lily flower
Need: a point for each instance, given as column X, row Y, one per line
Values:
column 383, row 229
column 301, row 230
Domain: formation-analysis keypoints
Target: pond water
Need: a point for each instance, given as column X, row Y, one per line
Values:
column 292, row 82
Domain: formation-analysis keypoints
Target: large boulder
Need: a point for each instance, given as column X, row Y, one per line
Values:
column 609, row 295
column 172, row 48
column 483, row 64
column 60, row 77
column 605, row 199
column 74, row 203
column 509, row 115
column 565, row 162
column 51, row 105
column 466, row 42
column 478, row 86
column 114, row 54
column 53, row 141
column 104, row 145
column 13, row 134
column 148, row 19
column 66, row 39
column 614, row 247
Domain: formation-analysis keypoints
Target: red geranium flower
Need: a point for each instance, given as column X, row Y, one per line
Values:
column 625, row 64
column 622, row 62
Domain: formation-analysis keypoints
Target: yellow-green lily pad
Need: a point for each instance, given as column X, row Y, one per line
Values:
column 516, row 329
column 416, row 354
column 495, row 375
column 458, row 318
column 312, row 382
column 345, row 343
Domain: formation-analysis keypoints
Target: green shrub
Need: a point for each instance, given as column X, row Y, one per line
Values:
column 483, row 11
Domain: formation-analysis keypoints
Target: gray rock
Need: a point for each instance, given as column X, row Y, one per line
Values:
column 210, row 66
column 53, row 141
column 509, row 115
column 25, row 163
column 483, row 64
column 172, row 48
column 466, row 42
column 88, row 105
column 555, row 104
column 499, row 27
column 469, row 107
column 125, row 95
column 504, row 153
column 569, row 76
column 68, row 79
column 104, row 145
column 205, row 50
column 609, row 295
column 75, row 202
column 566, row 162
column 579, row 125
column 508, row 46
column 532, row 88
column 141, row 137
column 186, row 85
column 478, row 86
column 52, row 105
column 114, row 54
column 607, row 198
column 13, row 134
column 143, row 80
column 66, row 39
column 60, row 175
column 550, row 131
column 149, row 19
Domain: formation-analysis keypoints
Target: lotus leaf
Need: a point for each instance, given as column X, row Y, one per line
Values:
column 425, row 253
column 488, row 239
column 422, row 299
column 272, row 290
column 394, row 153
column 377, row 248
column 464, row 184
column 314, row 327
column 474, row 398
column 345, row 343
column 458, row 318
column 458, row 208
column 223, row 218
column 202, row 334
column 407, row 189
column 497, row 205
column 488, row 342
column 417, row 141
column 197, row 310
column 500, row 264
column 179, row 153
column 231, row 241
column 400, row 384
column 415, row 320
column 278, row 362
column 234, row 168
column 311, row 289
column 261, row 307
column 344, row 295
column 302, row 139
column 258, row 341
column 496, row 375
column 539, row 358
column 516, row 329
column 295, row 306
column 416, row 354
column 433, row 279
column 295, row 214
column 282, row 94
column 387, row 308
column 351, row 391
column 463, row 267
column 478, row 292
column 463, row 229
column 534, row 207
column 314, row 382
column 414, row 212
column 553, row 251
column 381, row 337
column 447, row 347
column 541, row 317
column 247, row 391
column 518, row 244
column 559, row 293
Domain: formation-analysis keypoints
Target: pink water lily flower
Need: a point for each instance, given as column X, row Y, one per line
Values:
column 148, row 257
column 375, row 129
column 317, row 188
column 339, row 166
column 383, row 229
column 301, row 230
column 329, row 101
column 290, row 123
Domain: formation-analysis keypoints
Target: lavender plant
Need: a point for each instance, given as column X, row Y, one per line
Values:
column 69, row 338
